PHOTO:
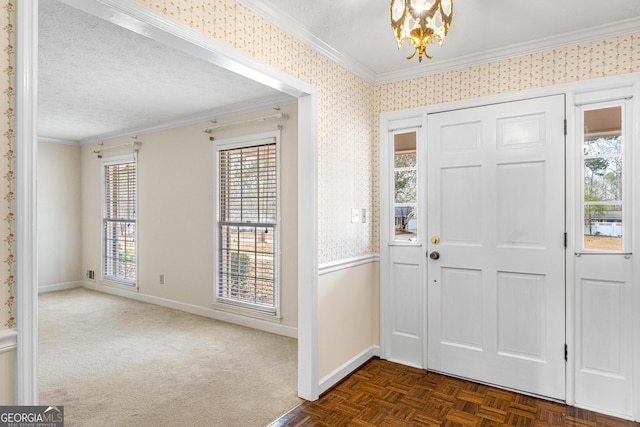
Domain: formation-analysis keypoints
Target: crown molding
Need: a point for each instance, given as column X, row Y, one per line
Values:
column 545, row 44
column 58, row 141
column 225, row 111
column 285, row 22
column 289, row 25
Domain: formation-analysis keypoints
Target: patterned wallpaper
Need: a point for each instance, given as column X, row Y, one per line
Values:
column 349, row 107
column 618, row 55
column 7, row 53
column 345, row 116
column 602, row 58
column 348, row 111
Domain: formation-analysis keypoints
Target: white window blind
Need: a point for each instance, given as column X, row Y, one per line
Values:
column 248, row 203
column 119, row 221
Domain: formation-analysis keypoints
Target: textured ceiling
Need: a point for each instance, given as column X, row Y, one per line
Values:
column 482, row 30
column 98, row 80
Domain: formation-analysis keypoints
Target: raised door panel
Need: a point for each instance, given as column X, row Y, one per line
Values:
column 460, row 202
column 406, row 299
column 603, row 334
column 461, row 314
column 521, row 200
column 522, row 316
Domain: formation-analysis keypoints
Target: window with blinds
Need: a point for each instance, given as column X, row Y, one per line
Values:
column 119, row 222
column 248, row 202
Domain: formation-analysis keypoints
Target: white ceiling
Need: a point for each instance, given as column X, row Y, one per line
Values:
column 358, row 34
column 98, row 80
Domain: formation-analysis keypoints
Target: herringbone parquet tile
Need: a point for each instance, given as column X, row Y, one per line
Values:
column 386, row 394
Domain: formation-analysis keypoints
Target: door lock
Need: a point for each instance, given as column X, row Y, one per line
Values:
column 434, row 255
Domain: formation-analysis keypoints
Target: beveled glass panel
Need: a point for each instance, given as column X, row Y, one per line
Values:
column 603, row 227
column 397, row 9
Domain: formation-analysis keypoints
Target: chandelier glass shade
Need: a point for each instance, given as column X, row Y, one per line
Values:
column 420, row 21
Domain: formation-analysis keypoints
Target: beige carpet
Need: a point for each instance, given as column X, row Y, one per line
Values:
column 112, row 362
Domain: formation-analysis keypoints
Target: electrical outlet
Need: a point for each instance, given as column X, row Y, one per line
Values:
column 91, row 275
column 162, row 279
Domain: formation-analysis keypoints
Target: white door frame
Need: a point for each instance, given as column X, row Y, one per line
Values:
column 570, row 90
column 129, row 14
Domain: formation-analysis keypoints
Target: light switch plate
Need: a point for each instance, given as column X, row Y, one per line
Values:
column 355, row 215
column 363, row 216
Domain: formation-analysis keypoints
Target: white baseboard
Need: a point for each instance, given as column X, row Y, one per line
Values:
column 249, row 322
column 343, row 371
column 59, row 287
column 8, row 340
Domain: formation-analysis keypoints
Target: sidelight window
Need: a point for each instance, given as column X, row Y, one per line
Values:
column 603, row 179
column 405, row 177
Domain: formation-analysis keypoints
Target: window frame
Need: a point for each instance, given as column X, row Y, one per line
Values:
column 226, row 304
column 420, row 170
column 105, row 162
column 626, row 203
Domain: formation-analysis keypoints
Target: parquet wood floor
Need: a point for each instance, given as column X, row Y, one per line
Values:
column 386, row 394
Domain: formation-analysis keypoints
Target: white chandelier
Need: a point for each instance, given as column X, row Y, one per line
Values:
column 420, row 21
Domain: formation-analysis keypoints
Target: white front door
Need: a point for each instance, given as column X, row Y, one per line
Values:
column 496, row 217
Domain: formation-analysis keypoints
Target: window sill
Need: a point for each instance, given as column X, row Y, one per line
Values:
column 247, row 312
column 119, row 285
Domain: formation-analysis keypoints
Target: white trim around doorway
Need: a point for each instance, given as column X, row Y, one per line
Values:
column 138, row 18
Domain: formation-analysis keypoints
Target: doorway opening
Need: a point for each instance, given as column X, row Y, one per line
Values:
column 141, row 20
